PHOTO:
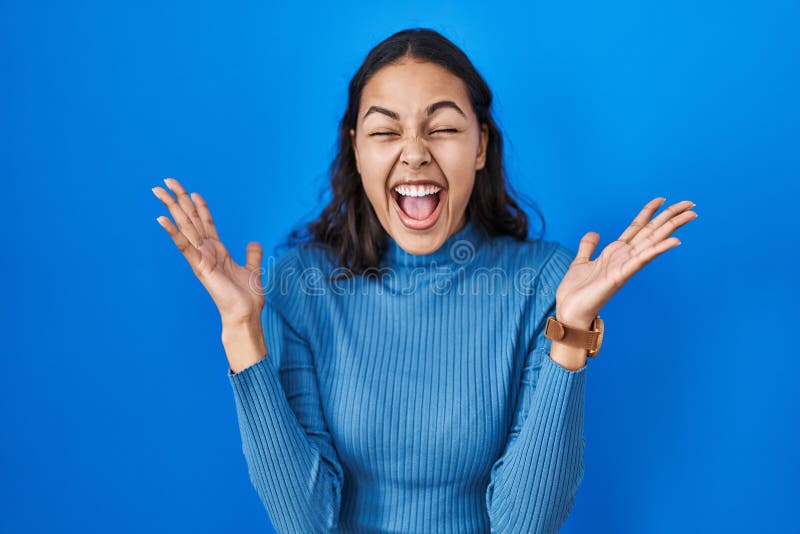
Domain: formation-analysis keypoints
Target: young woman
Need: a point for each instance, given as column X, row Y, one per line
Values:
column 404, row 376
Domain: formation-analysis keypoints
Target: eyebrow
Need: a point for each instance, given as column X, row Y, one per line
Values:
column 429, row 111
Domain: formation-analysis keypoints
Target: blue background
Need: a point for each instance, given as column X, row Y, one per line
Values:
column 117, row 414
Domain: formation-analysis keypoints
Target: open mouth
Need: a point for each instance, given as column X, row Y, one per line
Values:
column 418, row 207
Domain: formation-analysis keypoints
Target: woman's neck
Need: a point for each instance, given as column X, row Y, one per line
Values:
column 458, row 249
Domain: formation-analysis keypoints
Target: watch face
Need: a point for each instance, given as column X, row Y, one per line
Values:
column 599, row 327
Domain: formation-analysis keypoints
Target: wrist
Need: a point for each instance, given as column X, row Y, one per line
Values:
column 244, row 344
column 236, row 331
column 238, row 321
column 575, row 321
column 567, row 356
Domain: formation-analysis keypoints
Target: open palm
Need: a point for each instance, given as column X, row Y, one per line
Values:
column 589, row 284
column 235, row 289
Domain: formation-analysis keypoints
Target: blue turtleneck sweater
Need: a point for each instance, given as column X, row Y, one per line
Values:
column 424, row 400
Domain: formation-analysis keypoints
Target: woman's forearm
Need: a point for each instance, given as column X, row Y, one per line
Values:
column 533, row 486
column 290, row 456
column 244, row 343
column 570, row 358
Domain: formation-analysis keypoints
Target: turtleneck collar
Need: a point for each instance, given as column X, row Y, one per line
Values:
column 459, row 249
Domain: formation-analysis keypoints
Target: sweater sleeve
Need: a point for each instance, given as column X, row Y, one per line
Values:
column 291, row 460
column 533, row 484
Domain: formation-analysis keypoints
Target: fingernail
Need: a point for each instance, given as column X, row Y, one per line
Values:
column 166, row 182
column 154, row 191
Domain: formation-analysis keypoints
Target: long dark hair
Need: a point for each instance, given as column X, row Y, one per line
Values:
column 348, row 224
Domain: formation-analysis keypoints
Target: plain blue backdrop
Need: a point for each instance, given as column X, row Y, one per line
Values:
column 117, row 413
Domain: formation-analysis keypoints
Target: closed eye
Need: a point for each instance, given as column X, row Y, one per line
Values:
column 449, row 130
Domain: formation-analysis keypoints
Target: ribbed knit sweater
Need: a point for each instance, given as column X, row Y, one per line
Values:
column 424, row 400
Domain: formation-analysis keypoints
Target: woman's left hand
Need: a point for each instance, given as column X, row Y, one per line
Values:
column 589, row 284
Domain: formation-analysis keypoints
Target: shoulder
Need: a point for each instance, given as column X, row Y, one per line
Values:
column 294, row 284
column 301, row 258
column 297, row 272
column 549, row 258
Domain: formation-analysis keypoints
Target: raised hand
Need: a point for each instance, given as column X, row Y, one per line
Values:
column 589, row 284
column 236, row 290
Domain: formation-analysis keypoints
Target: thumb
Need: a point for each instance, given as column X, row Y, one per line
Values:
column 586, row 248
column 254, row 255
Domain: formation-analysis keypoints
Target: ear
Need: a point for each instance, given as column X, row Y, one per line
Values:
column 480, row 162
column 355, row 149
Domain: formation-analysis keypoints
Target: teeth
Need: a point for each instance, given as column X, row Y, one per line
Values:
column 417, row 190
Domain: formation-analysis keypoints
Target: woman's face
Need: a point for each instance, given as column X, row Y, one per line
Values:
column 416, row 124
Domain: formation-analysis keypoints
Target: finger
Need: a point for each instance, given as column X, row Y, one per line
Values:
column 186, row 203
column 184, row 223
column 191, row 254
column 663, row 231
column 644, row 257
column 587, row 247
column 254, row 255
column 647, row 236
column 641, row 220
column 205, row 216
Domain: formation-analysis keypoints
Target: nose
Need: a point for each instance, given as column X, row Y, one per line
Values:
column 415, row 153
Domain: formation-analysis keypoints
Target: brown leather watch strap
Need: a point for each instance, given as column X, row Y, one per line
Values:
column 591, row 339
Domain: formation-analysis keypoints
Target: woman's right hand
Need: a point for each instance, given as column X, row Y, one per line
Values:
column 236, row 290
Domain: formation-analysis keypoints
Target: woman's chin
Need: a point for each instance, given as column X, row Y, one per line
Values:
column 420, row 242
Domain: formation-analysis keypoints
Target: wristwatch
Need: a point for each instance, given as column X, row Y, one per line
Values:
column 576, row 337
